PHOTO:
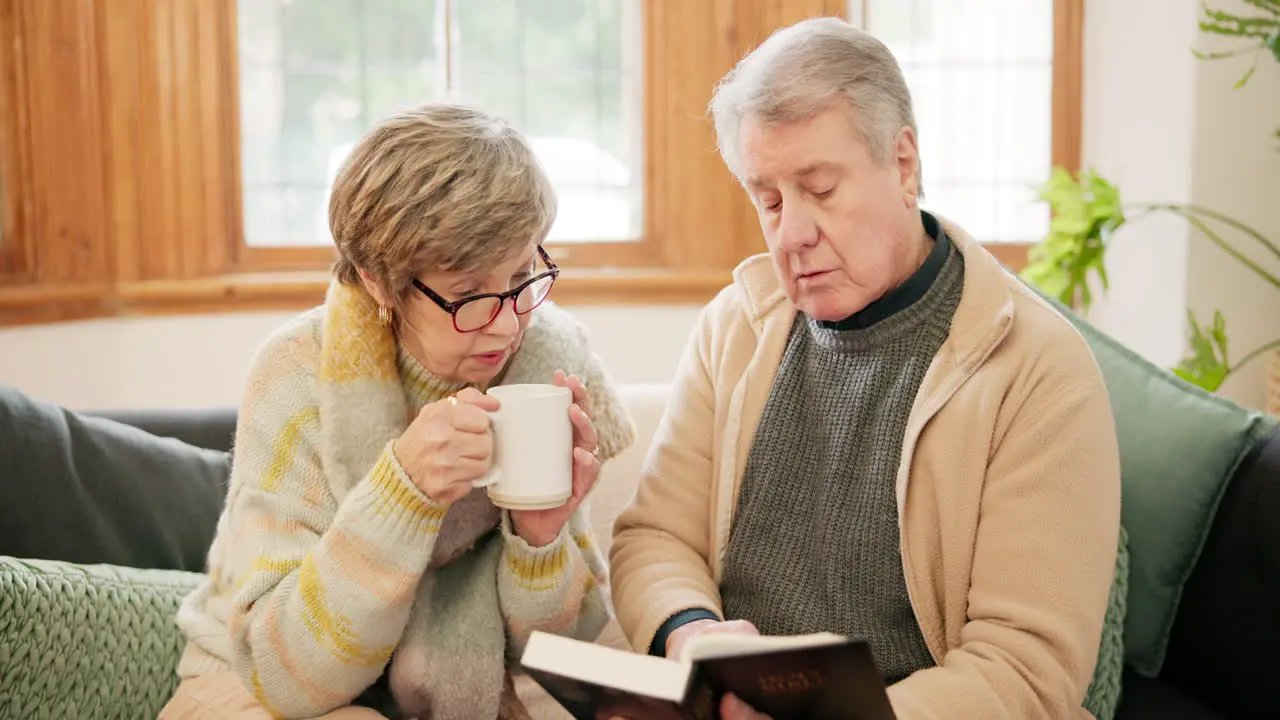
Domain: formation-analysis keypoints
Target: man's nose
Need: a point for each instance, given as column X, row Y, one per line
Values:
column 797, row 228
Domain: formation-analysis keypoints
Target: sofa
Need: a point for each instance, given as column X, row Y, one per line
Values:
column 92, row 568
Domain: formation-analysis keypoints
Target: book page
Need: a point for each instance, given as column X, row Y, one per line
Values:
column 709, row 646
column 629, row 672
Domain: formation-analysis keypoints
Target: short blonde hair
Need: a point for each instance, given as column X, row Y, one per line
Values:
column 439, row 187
column 800, row 70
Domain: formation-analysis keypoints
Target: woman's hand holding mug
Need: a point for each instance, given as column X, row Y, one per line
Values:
column 540, row 527
column 448, row 445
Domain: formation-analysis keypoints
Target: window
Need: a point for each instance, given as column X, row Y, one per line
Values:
column 990, row 82
column 174, row 156
column 611, row 94
column 316, row 75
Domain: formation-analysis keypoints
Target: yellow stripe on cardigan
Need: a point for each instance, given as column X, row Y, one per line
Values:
column 426, row 391
column 333, row 631
column 284, row 446
column 394, row 496
column 355, row 346
column 313, row 686
column 539, row 573
column 260, row 694
column 263, row 565
column 567, row 614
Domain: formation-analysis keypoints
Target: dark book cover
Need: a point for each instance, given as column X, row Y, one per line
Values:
column 589, row 701
column 825, row 682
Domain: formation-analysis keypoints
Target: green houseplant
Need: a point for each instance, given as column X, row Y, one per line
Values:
column 1262, row 35
column 1087, row 211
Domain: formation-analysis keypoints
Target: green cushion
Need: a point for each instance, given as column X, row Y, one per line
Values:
column 88, row 641
column 1179, row 445
column 1103, row 696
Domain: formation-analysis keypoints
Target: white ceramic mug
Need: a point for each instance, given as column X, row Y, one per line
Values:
column 532, row 447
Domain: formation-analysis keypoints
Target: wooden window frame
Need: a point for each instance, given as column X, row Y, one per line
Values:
column 120, row 162
column 1066, row 101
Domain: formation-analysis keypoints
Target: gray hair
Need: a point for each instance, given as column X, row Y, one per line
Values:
column 800, row 70
column 437, row 187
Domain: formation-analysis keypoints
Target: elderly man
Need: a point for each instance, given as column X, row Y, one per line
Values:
column 876, row 430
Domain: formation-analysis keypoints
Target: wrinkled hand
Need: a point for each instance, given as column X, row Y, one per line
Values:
column 540, row 527
column 683, row 634
column 732, row 708
column 448, row 445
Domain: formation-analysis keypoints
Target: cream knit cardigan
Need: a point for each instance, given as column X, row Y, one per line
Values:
column 329, row 564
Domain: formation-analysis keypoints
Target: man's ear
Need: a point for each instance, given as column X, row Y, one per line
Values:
column 371, row 287
column 907, row 160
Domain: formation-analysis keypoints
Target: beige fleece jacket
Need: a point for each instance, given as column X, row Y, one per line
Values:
column 1008, row 493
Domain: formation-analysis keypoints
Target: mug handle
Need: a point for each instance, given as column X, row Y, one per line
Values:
column 495, row 473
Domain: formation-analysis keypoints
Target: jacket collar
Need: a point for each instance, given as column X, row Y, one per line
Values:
column 981, row 320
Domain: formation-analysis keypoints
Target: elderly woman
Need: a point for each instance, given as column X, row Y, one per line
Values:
column 354, row 564
column 876, row 430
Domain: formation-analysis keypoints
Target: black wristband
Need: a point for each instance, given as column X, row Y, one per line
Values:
column 684, row 617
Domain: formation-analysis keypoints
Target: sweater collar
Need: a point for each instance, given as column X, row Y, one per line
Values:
column 909, row 292
column 981, row 320
column 421, row 386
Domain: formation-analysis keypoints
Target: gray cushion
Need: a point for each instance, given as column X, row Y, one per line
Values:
column 212, row 428
column 91, row 490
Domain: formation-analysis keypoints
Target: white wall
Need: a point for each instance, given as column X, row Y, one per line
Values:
column 1167, row 127
column 1138, row 133
column 201, row 361
column 1236, row 170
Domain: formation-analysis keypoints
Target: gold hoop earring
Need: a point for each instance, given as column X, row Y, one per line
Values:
column 384, row 315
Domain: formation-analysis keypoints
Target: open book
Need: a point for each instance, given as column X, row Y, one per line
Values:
column 802, row 676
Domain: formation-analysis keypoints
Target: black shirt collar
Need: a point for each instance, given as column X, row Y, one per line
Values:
column 906, row 294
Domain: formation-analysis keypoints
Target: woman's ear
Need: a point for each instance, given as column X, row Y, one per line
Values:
column 371, row 287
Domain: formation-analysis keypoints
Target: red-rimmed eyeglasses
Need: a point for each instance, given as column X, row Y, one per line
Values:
column 477, row 311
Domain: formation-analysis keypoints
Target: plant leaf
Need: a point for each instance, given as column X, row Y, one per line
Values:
column 1271, row 6
column 1206, row 364
column 1247, row 74
column 1223, row 55
column 1264, row 33
column 1085, row 211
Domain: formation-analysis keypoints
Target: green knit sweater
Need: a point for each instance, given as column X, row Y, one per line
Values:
column 814, row 542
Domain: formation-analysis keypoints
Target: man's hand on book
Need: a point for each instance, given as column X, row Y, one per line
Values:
column 683, row 634
column 732, row 708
